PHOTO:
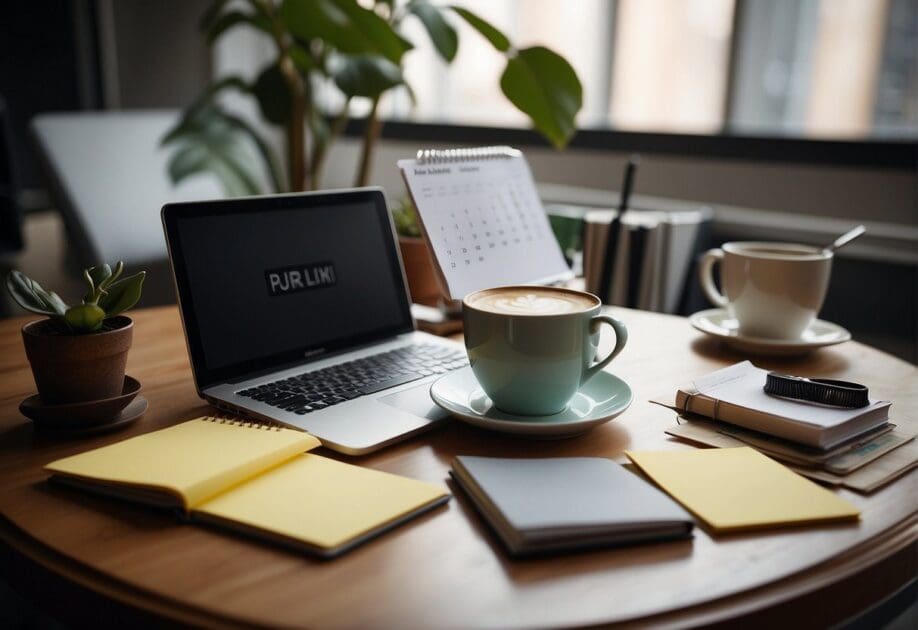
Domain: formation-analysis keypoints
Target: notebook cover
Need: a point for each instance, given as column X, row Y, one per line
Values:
column 576, row 500
column 736, row 489
column 193, row 460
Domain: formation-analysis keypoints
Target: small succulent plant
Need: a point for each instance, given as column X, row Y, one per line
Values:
column 405, row 217
column 108, row 295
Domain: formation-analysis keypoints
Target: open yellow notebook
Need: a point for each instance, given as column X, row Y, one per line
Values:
column 254, row 479
column 735, row 489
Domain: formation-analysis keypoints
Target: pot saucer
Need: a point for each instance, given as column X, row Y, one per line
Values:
column 128, row 415
column 87, row 413
column 718, row 323
column 602, row 398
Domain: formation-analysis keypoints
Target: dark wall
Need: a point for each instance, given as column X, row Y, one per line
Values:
column 39, row 68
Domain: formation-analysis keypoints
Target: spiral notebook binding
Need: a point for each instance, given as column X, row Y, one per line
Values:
column 470, row 154
column 244, row 422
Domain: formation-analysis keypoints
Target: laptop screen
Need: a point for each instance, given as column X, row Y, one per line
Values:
column 265, row 282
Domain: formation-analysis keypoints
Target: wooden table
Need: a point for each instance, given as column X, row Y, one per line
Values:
column 447, row 568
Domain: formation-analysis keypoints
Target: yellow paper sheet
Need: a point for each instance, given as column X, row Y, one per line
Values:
column 321, row 502
column 194, row 460
column 734, row 489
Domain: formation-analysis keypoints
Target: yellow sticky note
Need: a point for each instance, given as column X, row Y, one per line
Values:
column 734, row 489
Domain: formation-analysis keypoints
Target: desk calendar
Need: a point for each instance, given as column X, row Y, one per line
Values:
column 483, row 220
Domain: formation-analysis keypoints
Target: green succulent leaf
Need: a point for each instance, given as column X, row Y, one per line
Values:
column 364, row 75
column 122, row 295
column 98, row 275
column 273, row 95
column 30, row 295
column 542, row 85
column 444, row 37
column 84, row 318
column 487, row 30
column 119, row 269
column 345, row 26
column 230, row 19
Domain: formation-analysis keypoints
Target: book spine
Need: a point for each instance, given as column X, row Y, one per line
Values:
column 693, row 402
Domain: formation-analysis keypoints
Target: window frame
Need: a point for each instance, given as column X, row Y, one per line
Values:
column 871, row 154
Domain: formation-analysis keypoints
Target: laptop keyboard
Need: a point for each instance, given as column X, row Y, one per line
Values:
column 319, row 389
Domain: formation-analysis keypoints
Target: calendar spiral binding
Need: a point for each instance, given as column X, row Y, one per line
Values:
column 470, row 154
column 243, row 422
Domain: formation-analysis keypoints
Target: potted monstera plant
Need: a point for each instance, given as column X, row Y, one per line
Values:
column 358, row 48
column 78, row 353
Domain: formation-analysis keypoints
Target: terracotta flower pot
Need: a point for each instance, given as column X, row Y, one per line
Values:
column 78, row 368
column 419, row 269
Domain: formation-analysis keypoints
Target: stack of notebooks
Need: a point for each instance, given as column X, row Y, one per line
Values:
column 860, row 449
column 651, row 258
column 254, row 480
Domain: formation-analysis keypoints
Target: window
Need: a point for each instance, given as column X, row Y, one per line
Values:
column 828, row 69
column 840, row 69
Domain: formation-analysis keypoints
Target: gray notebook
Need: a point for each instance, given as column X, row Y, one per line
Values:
column 538, row 505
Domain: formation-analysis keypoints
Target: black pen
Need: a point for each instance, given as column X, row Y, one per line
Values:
column 615, row 228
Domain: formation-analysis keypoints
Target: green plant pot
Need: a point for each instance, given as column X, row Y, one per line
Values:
column 78, row 368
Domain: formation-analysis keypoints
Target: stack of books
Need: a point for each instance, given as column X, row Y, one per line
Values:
column 650, row 259
column 856, row 448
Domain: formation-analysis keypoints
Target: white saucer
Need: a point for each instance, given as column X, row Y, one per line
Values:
column 602, row 398
column 717, row 322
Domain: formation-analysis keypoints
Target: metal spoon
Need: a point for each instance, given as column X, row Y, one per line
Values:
column 846, row 238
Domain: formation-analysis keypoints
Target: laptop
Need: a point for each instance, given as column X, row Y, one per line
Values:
column 296, row 311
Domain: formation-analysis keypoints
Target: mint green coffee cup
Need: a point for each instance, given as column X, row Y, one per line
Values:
column 532, row 348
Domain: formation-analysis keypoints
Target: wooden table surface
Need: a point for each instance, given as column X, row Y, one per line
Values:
column 446, row 568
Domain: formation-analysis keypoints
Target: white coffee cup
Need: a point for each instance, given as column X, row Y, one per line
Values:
column 774, row 290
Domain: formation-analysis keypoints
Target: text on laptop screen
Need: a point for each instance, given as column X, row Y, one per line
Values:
column 290, row 283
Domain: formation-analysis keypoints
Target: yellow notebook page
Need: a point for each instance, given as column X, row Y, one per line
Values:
column 733, row 489
column 193, row 460
column 321, row 502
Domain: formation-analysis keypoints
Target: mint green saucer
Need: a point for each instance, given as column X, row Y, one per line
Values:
column 602, row 398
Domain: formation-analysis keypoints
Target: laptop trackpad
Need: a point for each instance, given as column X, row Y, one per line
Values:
column 415, row 401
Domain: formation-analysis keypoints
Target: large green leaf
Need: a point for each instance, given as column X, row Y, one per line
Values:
column 234, row 18
column 302, row 59
column 204, row 101
column 211, row 14
column 364, row 75
column 488, row 30
column 544, row 87
column 210, row 142
column 444, row 37
column 273, row 95
column 272, row 167
column 382, row 36
column 123, row 294
column 344, row 25
column 32, row 297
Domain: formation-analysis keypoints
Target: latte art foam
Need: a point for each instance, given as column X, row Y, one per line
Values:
column 531, row 302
